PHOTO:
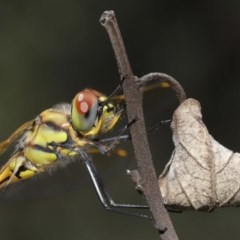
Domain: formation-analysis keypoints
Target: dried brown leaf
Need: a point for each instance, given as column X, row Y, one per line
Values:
column 201, row 174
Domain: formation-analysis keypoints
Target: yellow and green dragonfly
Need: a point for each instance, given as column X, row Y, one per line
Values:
column 62, row 133
column 65, row 132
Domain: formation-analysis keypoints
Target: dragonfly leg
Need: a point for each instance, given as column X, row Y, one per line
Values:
column 104, row 196
column 122, row 138
column 114, row 140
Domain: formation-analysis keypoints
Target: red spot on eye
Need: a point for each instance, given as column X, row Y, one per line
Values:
column 84, row 101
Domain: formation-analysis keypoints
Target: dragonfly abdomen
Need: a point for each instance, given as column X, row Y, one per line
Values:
column 17, row 168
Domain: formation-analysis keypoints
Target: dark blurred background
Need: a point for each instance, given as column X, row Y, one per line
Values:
column 49, row 50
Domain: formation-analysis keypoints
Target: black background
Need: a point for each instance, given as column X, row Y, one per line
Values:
column 49, row 50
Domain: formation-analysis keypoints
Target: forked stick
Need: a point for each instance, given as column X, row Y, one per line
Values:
column 133, row 98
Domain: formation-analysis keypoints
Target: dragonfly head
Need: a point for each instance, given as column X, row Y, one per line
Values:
column 92, row 113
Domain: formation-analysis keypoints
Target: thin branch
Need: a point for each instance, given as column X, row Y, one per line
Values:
column 133, row 98
column 156, row 78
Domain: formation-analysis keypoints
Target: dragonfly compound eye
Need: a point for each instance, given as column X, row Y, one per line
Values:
column 84, row 110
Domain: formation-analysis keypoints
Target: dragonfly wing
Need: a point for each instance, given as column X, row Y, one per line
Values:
column 4, row 144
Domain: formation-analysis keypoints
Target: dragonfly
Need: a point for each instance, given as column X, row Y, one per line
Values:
column 63, row 133
column 66, row 132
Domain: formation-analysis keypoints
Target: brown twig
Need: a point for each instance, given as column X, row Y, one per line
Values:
column 133, row 98
column 156, row 78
